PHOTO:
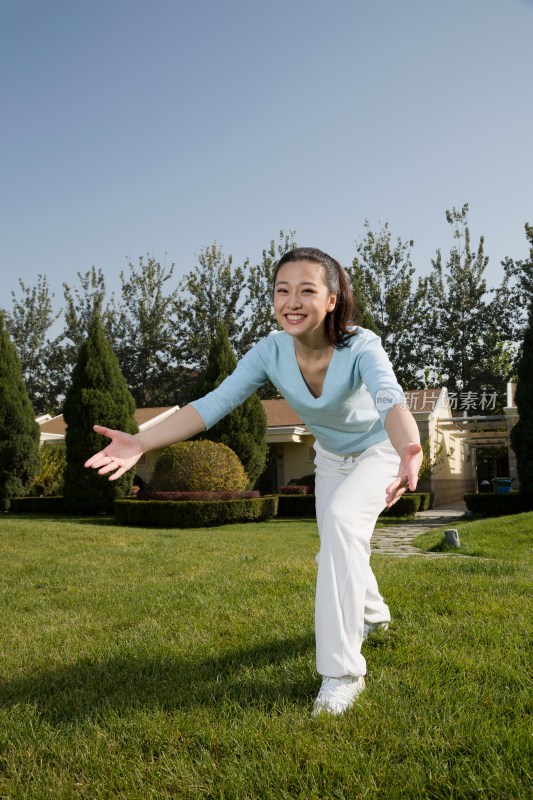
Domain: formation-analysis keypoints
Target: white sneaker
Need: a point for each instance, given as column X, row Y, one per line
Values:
column 337, row 695
column 374, row 626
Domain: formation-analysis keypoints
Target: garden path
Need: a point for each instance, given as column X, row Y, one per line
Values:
column 395, row 540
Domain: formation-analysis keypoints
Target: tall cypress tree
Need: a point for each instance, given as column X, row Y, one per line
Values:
column 98, row 395
column 19, row 433
column 522, row 433
column 244, row 429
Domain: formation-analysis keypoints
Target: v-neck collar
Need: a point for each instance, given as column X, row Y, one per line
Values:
column 300, row 373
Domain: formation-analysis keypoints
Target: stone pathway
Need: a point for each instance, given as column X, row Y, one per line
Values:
column 396, row 539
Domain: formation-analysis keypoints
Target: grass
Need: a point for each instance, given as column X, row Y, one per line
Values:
column 180, row 664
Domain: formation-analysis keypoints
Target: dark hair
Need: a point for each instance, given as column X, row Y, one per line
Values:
column 340, row 321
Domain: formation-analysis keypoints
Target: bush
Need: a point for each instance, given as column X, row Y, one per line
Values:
column 49, row 481
column 498, row 505
column 37, row 505
column 425, row 499
column 295, row 489
column 198, row 466
column 193, row 513
column 406, row 506
column 296, row 505
column 149, row 495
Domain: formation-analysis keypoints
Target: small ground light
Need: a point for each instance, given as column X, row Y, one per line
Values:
column 451, row 537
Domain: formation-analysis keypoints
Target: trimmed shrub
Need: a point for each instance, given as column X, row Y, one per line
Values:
column 425, row 499
column 498, row 505
column 296, row 505
column 148, row 495
column 37, row 505
column 193, row 513
column 198, row 466
column 98, row 394
column 295, row 489
column 406, row 506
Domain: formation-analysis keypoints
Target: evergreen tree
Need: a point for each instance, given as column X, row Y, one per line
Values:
column 19, row 433
column 522, row 433
column 81, row 305
column 244, row 429
column 98, row 395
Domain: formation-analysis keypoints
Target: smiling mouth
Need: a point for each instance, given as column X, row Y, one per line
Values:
column 294, row 318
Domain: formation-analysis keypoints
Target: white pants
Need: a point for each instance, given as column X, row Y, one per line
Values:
column 350, row 494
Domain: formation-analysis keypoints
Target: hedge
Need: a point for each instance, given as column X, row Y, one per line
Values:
column 150, row 495
column 498, row 505
column 37, row 505
column 406, row 506
column 426, row 499
column 193, row 513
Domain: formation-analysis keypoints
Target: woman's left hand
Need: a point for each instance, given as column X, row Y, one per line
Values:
column 410, row 463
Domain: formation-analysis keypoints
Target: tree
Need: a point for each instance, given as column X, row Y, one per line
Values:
column 212, row 292
column 522, row 433
column 260, row 318
column 244, row 429
column 515, row 296
column 19, row 433
column 466, row 351
column 29, row 324
column 382, row 280
column 82, row 304
column 146, row 343
column 98, row 394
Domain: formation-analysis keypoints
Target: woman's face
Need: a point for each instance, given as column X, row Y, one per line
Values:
column 302, row 299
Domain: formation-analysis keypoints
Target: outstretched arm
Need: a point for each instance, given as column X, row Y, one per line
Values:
column 124, row 450
column 405, row 438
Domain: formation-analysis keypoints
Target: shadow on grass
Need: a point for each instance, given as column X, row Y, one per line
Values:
column 122, row 683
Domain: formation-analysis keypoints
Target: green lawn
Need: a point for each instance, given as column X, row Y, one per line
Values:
column 169, row 664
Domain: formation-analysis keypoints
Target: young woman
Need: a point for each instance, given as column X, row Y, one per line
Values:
column 337, row 377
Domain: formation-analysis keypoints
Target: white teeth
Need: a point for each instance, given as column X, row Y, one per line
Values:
column 295, row 317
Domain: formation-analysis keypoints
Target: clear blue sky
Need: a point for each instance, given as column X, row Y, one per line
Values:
column 158, row 126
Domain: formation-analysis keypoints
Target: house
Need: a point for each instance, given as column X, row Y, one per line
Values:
column 453, row 441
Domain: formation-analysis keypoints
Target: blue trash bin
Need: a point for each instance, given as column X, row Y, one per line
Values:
column 502, row 485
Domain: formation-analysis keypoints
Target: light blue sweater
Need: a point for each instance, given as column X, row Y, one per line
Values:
column 359, row 390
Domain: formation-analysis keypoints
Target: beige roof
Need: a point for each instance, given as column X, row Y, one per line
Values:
column 142, row 415
column 280, row 414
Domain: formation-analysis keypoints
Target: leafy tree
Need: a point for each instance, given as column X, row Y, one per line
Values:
column 382, row 280
column 522, row 433
column 212, row 292
column 146, row 343
column 465, row 350
column 515, row 296
column 244, row 429
column 260, row 319
column 19, row 433
column 98, row 394
column 29, row 323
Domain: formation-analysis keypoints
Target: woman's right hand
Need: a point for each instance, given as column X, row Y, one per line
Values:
column 120, row 455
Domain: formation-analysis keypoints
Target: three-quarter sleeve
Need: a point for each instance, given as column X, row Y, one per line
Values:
column 379, row 378
column 248, row 376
